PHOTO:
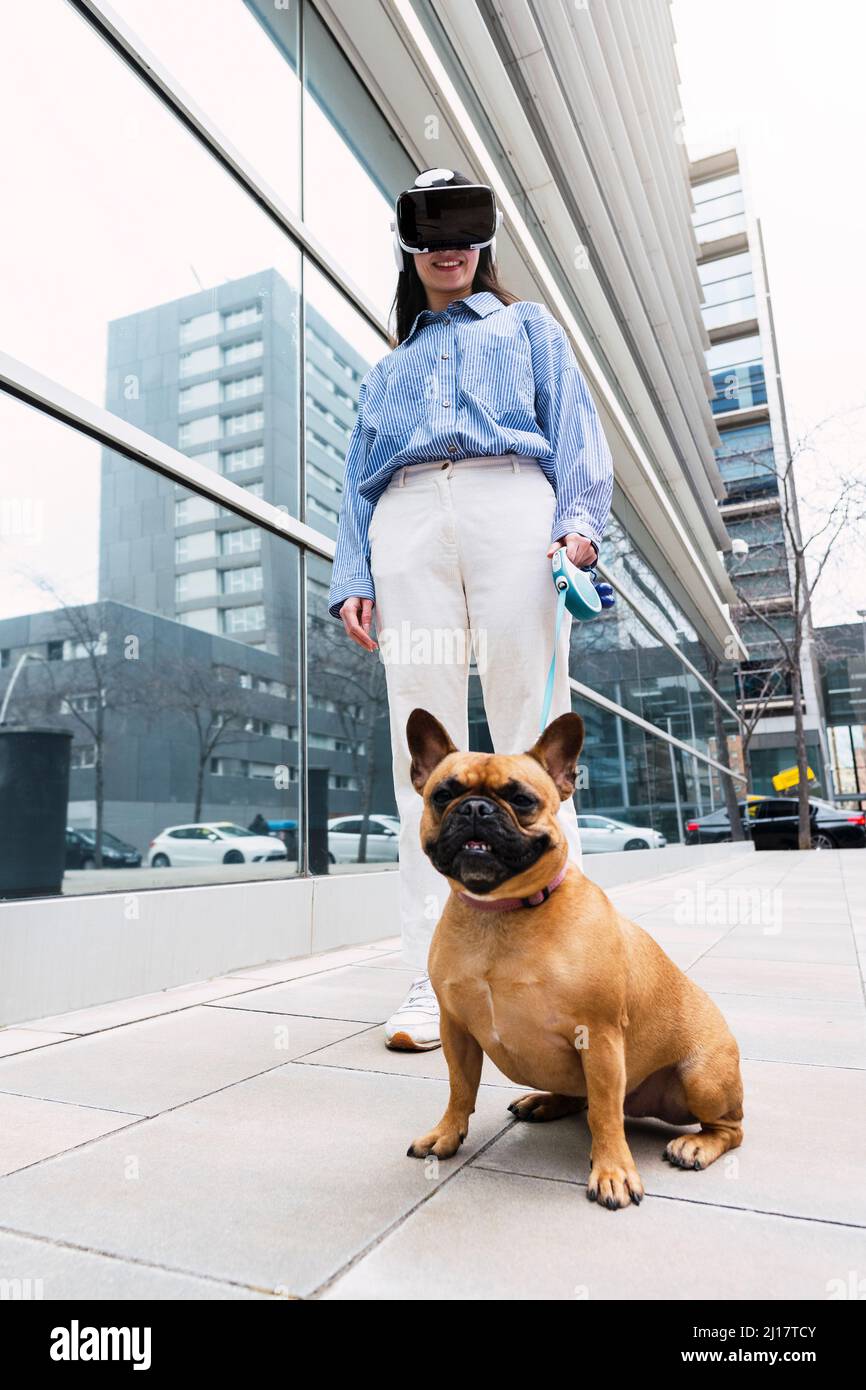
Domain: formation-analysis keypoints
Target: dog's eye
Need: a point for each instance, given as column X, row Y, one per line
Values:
column 442, row 796
column 523, row 801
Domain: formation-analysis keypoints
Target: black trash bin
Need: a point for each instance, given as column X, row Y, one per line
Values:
column 34, row 793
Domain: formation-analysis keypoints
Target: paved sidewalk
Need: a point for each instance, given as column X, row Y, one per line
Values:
column 245, row 1138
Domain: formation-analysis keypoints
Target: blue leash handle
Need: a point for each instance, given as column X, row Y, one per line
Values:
column 587, row 595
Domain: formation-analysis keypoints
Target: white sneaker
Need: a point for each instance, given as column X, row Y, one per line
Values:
column 415, row 1025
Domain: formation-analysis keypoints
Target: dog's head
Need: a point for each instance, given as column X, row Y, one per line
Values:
column 490, row 821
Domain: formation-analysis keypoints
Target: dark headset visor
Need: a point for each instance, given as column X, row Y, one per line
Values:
column 446, row 219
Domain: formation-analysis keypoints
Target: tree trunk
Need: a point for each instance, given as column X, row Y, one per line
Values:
column 367, row 785
column 199, row 789
column 805, row 836
column 730, row 791
column 99, row 782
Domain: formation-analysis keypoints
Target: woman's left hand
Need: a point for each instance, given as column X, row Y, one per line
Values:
column 579, row 550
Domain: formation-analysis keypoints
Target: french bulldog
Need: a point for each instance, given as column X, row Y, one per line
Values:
column 534, row 966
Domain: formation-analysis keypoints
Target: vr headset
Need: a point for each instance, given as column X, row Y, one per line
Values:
column 441, row 214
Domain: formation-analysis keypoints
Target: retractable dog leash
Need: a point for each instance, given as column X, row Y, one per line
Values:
column 584, row 595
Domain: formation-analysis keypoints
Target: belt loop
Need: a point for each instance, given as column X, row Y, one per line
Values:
column 402, row 482
column 450, row 469
column 515, row 463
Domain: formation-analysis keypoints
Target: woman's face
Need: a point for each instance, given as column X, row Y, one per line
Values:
column 447, row 273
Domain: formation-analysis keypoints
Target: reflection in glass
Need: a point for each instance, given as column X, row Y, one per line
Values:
column 166, row 246
column 339, row 349
column 169, row 655
column 353, row 813
column 354, row 166
column 239, row 64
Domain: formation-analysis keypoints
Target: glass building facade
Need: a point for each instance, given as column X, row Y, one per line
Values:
column 751, row 456
column 174, row 497
column 842, row 657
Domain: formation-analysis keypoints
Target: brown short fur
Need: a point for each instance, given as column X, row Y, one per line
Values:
column 569, row 997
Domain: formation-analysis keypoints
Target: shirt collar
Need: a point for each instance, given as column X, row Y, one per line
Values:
column 480, row 304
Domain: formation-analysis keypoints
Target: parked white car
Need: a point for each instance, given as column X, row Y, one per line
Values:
column 220, row 842
column 344, row 837
column 600, row 834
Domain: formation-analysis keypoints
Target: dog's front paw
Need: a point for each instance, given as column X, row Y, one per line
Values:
column 613, row 1185
column 443, row 1143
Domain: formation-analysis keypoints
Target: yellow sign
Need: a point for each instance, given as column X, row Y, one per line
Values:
column 790, row 777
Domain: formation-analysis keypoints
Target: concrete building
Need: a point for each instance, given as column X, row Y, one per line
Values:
column 194, row 726
column 217, row 375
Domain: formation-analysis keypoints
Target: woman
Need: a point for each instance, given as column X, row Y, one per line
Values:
column 476, row 453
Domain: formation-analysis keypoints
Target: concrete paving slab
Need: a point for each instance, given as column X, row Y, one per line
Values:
column 31, row 1130
column 358, row 993
column 159, row 1063
column 367, row 1052
column 275, row 1182
column 823, row 1033
column 165, row 1001
column 820, row 948
column 40, row 1269
column 13, row 1040
column 489, row 1235
column 776, row 1169
column 782, row 978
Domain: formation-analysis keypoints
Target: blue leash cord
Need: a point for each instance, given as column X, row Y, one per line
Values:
column 548, row 693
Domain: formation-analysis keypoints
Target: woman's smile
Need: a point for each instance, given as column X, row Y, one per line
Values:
column 448, row 262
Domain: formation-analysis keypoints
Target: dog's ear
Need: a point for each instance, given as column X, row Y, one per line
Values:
column 558, row 750
column 428, row 743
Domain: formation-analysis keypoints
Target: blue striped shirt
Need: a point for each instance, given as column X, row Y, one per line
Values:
column 479, row 378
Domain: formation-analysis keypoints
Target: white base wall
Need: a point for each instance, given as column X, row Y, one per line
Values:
column 61, row 954
column 609, row 869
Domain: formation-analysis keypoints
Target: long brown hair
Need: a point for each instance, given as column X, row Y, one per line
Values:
column 411, row 296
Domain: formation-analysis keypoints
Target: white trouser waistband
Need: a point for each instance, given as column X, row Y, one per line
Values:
column 404, row 475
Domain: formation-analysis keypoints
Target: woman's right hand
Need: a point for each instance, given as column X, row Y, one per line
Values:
column 356, row 615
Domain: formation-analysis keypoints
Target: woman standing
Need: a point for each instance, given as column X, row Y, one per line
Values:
column 476, row 453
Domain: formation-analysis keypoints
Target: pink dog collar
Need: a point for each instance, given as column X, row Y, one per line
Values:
column 509, row 904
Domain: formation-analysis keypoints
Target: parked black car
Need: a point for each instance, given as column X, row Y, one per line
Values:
column 774, row 823
column 116, row 854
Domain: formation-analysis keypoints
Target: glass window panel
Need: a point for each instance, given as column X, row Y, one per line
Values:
column 349, row 745
column 712, row 189
column 239, row 63
column 134, row 316
column 340, row 348
column 191, row 670
column 732, row 311
column 723, row 267
column 352, row 159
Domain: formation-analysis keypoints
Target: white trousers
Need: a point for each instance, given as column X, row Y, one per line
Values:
column 458, row 557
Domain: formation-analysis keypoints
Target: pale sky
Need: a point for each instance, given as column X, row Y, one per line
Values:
column 784, row 80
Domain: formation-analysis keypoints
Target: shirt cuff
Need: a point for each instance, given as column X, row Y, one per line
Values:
column 360, row 587
column 581, row 524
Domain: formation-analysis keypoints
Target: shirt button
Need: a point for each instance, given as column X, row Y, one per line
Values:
column 445, row 357
column 446, row 404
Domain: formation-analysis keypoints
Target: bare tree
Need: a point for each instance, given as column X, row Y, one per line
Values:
column 712, row 666
column 93, row 687
column 218, row 710
column 353, row 680
column 787, row 617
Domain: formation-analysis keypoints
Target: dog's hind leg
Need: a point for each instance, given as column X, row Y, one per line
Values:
column 543, row 1105
column 714, row 1093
